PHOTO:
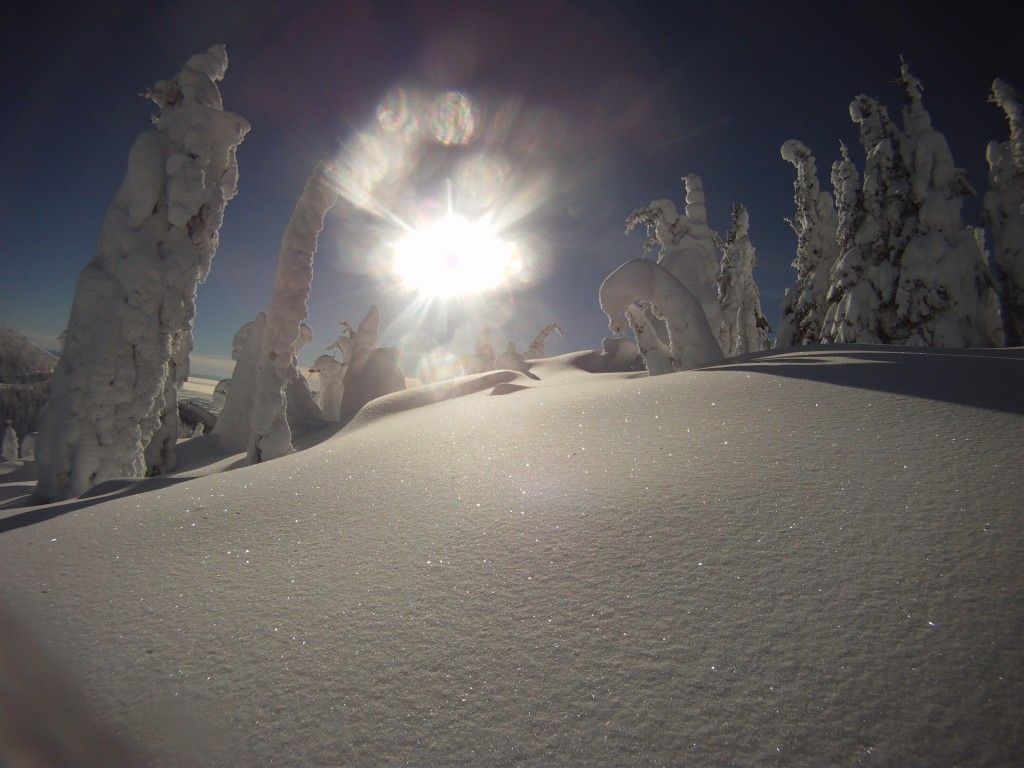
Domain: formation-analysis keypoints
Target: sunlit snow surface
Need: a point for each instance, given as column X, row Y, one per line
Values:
column 801, row 558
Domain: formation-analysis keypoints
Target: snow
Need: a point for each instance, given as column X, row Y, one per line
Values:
column 807, row 557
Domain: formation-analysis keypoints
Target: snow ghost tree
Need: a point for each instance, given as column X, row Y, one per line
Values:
column 815, row 222
column 266, row 372
column 945, row 294
column 744, row 327
column 1004, row 212
column 687, row 245
column 112, row 410
column 690, row 343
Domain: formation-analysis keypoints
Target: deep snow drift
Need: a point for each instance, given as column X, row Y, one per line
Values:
column 808, row 557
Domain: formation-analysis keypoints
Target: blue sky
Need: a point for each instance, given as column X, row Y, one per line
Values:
column 614, row 102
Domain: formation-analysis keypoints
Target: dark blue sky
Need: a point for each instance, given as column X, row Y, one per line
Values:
column 614, row 102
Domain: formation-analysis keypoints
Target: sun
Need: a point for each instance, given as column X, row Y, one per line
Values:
column 453, row 257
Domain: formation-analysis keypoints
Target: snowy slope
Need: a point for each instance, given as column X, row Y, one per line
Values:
column 811, row 557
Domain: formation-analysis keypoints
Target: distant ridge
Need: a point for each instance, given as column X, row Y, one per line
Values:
column 21, row 361
column 25, row 371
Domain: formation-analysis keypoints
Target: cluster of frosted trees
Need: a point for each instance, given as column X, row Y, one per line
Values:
column 889, row 259
column 689, row 308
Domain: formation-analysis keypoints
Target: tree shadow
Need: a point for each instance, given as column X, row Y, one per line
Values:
column 989, row 379
column 206, row 450
column 98, row 494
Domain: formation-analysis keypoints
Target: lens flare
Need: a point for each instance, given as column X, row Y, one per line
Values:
column 455, row 118
column 394, row 113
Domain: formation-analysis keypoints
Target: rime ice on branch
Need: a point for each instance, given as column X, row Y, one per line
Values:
column 112, row 410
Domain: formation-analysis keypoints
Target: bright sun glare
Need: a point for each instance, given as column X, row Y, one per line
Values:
column 454, row 257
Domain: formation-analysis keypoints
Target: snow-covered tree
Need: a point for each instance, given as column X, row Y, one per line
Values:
column 281, row 338
column 511, row 360
column 365, row 371
column 1004, row 212
column 113, row 398
column 357, row 344
column 690, row 342
column 686, row 245
column 910, row 271
column 536, row 349
column 379, row 375
column 744, row 326
column 9, row 443
column 863, row 281
column 849, row 209
column 815, row 223
column 945, row 293
column 485, row 347
column 332, row 385
column 28, row 447
column 233, row 424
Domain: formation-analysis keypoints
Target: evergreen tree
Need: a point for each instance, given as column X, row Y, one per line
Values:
column 744, row 327
column 849, row 209
column 945, row 294
column 1004, row 212
column 863, row 281
column 910, row 271
column 816, row 224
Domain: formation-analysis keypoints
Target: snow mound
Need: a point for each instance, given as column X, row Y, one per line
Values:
column 800, row 558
